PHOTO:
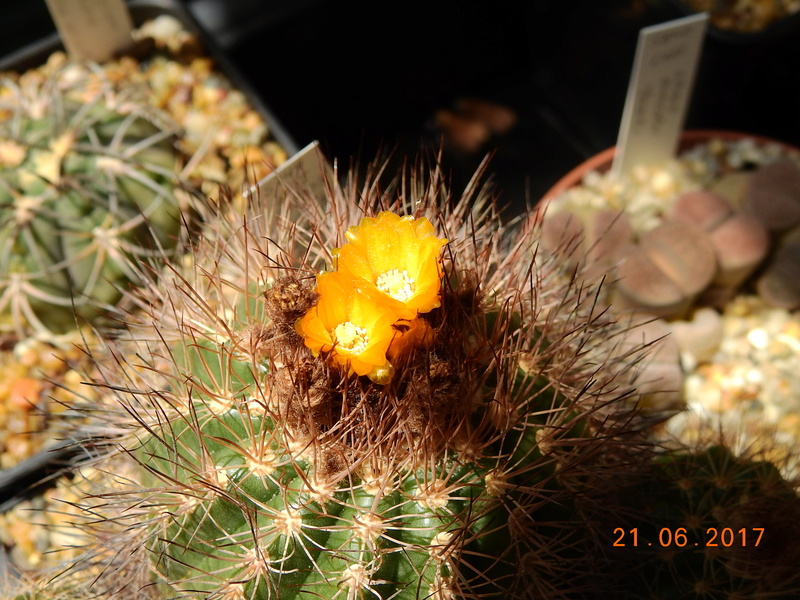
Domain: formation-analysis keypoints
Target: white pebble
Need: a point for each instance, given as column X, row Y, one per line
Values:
column 758, row 338
column 754, row 376
column 162, row 27
column 663, row 183
column 701, row 336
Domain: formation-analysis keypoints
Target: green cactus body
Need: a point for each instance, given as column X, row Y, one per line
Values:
column 251, row 519
column 267, row 533
column 268, row 470
column 87, row 191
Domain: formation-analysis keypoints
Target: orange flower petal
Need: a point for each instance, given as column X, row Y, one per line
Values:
column 416, row 333
column 353, row 324
column 316, row 337
column 400, row 256
column 389, row 270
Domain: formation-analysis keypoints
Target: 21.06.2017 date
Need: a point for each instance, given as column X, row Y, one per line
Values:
column 680, row 537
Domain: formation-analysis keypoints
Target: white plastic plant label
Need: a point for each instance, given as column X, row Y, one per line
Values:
column 92, row 29
column 659, row 92
column 305, row 172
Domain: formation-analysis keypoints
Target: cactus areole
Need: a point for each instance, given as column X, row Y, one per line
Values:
column 87, row 192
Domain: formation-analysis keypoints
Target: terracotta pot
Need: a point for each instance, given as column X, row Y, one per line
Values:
column 601, row 162
column 747, row 240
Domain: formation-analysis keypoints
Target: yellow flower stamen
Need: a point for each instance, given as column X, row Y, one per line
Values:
column 350, row 337
column 397, row 284
column 351, row 324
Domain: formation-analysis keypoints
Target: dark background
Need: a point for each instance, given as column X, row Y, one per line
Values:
column 365, row 78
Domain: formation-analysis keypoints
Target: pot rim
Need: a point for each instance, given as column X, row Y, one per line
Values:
column 691, row 137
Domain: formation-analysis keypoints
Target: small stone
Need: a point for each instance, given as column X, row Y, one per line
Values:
column 25, row 393
column 741, row 244
column 660, row 386
column 651, row 358
column 700, row 335
column 702, row 208
column 663, row 183
column 654, row 334
column 162, row 27
column 758, row 338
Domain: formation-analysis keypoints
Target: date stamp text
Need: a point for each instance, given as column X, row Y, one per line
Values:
column 679, row 537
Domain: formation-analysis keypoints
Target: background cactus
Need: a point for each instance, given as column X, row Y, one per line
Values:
column 87, row 190
column 695, row 524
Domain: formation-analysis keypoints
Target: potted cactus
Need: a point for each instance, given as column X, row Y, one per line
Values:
column 137, row 122
column 90, row 187
column 348, row 418
column 391, row 394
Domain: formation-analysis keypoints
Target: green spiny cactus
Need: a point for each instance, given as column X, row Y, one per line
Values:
column 479, row 454
column 87, row 190
column 270, row 470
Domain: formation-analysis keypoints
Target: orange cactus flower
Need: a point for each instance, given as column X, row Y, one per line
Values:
column 400, row 256
column 351, row 323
